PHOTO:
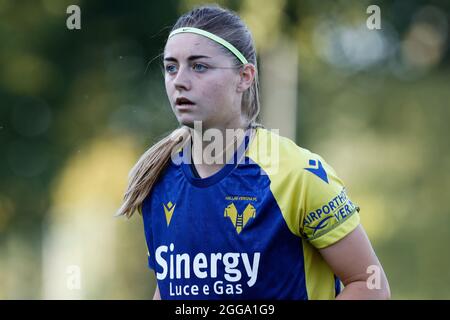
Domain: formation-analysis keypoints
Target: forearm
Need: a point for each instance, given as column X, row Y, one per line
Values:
column 358, row 290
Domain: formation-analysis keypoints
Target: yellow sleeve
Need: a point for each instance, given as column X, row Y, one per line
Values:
column 327, row 214
column 311, row 197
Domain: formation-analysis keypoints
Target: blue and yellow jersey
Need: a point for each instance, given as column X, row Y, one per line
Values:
column 251, row 230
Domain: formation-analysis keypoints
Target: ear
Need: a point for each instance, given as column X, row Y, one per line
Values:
column 247, row 74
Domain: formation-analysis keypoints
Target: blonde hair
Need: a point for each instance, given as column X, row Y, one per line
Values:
column 227, row 25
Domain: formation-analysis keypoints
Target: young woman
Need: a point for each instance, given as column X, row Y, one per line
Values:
column 268, row 220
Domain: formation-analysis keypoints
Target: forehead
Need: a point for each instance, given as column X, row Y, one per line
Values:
column 183, row 45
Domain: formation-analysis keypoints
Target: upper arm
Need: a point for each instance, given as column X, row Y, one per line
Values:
column 351, row 257
column 327, row 214
column 330, row 222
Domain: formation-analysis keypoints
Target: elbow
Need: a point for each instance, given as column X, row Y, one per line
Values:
column 383, row 293
column 382, row 289
column 386, row 292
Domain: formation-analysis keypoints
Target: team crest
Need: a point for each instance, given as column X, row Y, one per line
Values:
column 239, row 220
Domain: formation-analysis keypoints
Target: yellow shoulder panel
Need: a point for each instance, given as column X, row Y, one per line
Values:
column 310, row 195
column 282, row 160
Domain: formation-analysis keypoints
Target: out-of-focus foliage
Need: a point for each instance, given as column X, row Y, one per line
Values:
column 78, row 107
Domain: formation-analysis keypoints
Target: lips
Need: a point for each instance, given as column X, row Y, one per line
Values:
column 183, row 101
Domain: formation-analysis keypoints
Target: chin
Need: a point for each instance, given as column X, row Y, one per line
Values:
column 188, row 124
column 184, row 121
column 188, row 120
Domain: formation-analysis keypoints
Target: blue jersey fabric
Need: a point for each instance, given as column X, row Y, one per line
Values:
column 233, row 236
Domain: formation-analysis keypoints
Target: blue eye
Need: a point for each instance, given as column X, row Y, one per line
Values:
column 199, row 67
column 170, row 68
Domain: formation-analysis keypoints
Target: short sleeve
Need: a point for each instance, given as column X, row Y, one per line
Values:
column 328, row 214
column 146, row 216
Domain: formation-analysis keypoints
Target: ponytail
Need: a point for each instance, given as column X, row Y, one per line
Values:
column 227, row 25
column 147, row 170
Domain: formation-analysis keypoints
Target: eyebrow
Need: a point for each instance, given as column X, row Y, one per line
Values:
column 190, row 58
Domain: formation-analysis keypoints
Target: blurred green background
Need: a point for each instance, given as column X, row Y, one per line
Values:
column 78, row 107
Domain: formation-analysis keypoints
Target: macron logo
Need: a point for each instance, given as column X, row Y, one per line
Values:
column 318, row 169
column 168, row 211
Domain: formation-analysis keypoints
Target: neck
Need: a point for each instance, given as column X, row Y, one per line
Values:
column 214, row 147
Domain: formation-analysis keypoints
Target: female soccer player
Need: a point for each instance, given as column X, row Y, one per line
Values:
column 270, row 221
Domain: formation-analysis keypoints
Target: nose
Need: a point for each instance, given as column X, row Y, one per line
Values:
column 182, row 80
